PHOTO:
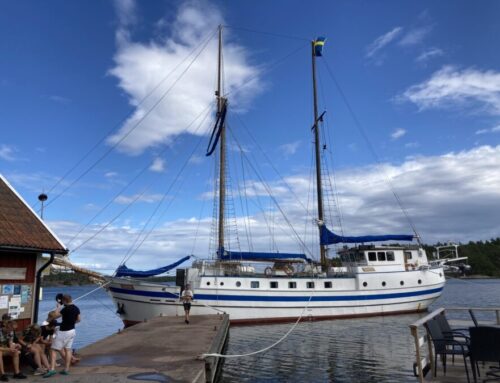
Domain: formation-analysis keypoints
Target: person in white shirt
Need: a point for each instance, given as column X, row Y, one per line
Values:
column 187, row 298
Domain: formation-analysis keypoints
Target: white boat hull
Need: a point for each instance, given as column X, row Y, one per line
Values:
column 348, row 297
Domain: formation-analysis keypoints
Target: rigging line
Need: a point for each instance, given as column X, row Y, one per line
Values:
column 273, row 167
column 268, row 33
column 268, row 189
column 85, row 156
column 244, row 207
column 141, row 172
column 272, row 66
column 202, row 137
column 372, row 150
column 143, row 117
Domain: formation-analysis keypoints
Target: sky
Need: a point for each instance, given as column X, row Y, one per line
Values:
column 108, row 106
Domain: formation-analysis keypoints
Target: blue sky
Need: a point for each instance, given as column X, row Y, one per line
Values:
column 422, row 77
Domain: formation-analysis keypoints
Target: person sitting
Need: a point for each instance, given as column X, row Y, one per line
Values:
column 9, row 348
column 32, row 349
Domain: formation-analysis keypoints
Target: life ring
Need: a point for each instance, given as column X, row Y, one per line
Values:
column 268, row 271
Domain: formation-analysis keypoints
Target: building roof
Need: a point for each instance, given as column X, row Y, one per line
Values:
column 20, row 226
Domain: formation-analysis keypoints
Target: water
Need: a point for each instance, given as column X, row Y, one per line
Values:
column 378, row 349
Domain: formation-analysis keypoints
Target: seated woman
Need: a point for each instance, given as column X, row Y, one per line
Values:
column 31, row 347
column 9, row 348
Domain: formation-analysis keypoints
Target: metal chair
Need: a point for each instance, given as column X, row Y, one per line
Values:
column 473, row 318
column 485, row 347
column 444, row 346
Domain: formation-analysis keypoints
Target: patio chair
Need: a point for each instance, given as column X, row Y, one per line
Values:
column 444, row 346
column 458, row 334
column 485, row 347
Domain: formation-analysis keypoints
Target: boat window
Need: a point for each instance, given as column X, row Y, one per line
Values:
column 254, row 284
column 419, row 281
column 408, row 254
column 238, row 284
column 310, row 285
column 372, row 256
column 328, row 285
column 273, row 284
column 208, row 283
column 292, row 285
column 383, row 284
column 381, row 255
column 402, row 283
column 390, row 255
column 222, row 283
column 365, row 284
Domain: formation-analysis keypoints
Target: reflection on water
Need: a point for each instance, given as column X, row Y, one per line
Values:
column 377, row 349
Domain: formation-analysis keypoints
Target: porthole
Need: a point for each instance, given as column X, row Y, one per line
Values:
column 383, row 284
column 440, row 274
column 208, row 283
column 419, row 281
column 222, row 283
column 238, row 284
column 402, row 283
column 365, row 284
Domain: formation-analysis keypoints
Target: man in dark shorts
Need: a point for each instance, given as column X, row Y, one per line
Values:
column 65, row 335
column 187, row 297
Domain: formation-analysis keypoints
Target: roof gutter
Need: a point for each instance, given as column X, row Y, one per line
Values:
column 38, row 283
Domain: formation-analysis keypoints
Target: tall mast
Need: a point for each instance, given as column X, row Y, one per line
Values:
column 319, row 189
column 222, row 164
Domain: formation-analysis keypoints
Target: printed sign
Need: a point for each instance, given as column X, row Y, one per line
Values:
column 8, row 289
column 4, row 302
column 13, row 273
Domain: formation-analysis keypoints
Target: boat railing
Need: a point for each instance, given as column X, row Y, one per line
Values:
column 424, row 353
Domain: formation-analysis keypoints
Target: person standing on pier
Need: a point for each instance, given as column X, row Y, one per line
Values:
column 187, row 298
column 65, row 335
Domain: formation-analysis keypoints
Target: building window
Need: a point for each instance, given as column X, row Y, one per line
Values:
column 310, row 285
column 274, row 284
column 254, row 284
column 381, row 255
column 238, row 284
column 328, row 285
column 390, row 255
column 292, row 285
column 365, row 284
column 372, row 256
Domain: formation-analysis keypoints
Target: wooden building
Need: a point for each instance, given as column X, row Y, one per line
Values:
column 24, row 240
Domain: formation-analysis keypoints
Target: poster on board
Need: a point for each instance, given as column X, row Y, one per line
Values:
column 8, row 289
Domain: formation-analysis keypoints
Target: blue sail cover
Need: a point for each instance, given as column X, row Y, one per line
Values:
column 329, row 238
column 124, row 271
column 252, row 256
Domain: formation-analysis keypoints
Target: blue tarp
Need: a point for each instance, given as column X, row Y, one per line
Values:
column 124, row 271
column 252, row 256
column 329, row 238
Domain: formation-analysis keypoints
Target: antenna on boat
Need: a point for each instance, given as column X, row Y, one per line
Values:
column 317, row 46
column 221, row 101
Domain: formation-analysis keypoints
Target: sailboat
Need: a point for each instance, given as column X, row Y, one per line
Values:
column 372, row 279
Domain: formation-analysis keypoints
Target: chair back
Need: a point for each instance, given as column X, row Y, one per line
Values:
column 485, row 344
column 473, row 317
column 438, row 339
column 444, row 326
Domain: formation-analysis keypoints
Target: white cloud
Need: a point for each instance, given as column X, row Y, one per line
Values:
column 59, row 99
column 429, row 54
column 449, row 197
column 398, row 133
column 452, row 87
column 110, row 174
column 140, row 67
column 382, row 41
column 7, row 152
column 496, row 129
column 148, row 198
column 290, row 148
column 412, row 144
column 158, row 165
column 415, row 36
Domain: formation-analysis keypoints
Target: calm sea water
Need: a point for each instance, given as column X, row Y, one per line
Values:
column 378, row 349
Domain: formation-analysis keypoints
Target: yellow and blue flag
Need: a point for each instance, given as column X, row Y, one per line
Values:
column 318, row 46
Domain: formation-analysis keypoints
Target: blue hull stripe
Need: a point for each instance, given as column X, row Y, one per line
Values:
column 261, row 298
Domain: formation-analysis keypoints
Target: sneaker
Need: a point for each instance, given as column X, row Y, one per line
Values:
column 40, row 371
column 50, row 373
column 186, row 321
column 19, row 376
column 4, row 378
column 64, row 372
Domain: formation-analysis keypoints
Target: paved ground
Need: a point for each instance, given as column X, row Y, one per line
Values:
column 161, row 350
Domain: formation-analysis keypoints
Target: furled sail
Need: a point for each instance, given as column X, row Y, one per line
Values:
column 124, row 271
column 328, row 238
column 253, row 256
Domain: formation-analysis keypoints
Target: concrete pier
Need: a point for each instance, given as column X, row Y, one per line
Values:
column 164, row 349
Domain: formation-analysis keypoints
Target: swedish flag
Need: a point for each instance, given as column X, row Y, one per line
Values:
column 318, row 46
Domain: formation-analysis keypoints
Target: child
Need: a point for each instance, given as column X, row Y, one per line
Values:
column 8, row 347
